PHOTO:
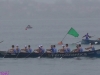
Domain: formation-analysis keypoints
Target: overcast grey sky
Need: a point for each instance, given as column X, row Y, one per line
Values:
column 36, row 9
column 46, row 1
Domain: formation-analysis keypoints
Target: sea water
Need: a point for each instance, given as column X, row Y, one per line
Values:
column 48, row 32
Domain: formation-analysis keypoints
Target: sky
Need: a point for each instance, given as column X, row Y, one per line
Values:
column 46, row 1
column 37, row 9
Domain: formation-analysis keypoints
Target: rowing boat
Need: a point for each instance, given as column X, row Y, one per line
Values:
column 95, row 53
column 97, row 42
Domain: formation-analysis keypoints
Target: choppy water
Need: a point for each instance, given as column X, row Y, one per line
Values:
column 47, row 32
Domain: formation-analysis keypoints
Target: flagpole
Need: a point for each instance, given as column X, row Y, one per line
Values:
column 64, row 37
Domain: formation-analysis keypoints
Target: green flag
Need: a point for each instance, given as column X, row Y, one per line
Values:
column 73, row 32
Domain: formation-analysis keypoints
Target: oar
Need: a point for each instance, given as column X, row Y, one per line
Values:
column 41, row 55
column 92, row 36
column 5, row 54
column 62, row 56
column 76, row 42
column 17, row 55
column 28, row 55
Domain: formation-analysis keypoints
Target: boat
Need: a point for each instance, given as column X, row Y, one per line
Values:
column 96, row 53
column 28, row 26
column 96, row 42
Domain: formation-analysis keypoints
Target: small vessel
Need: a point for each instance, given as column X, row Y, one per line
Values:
column 96, row 42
